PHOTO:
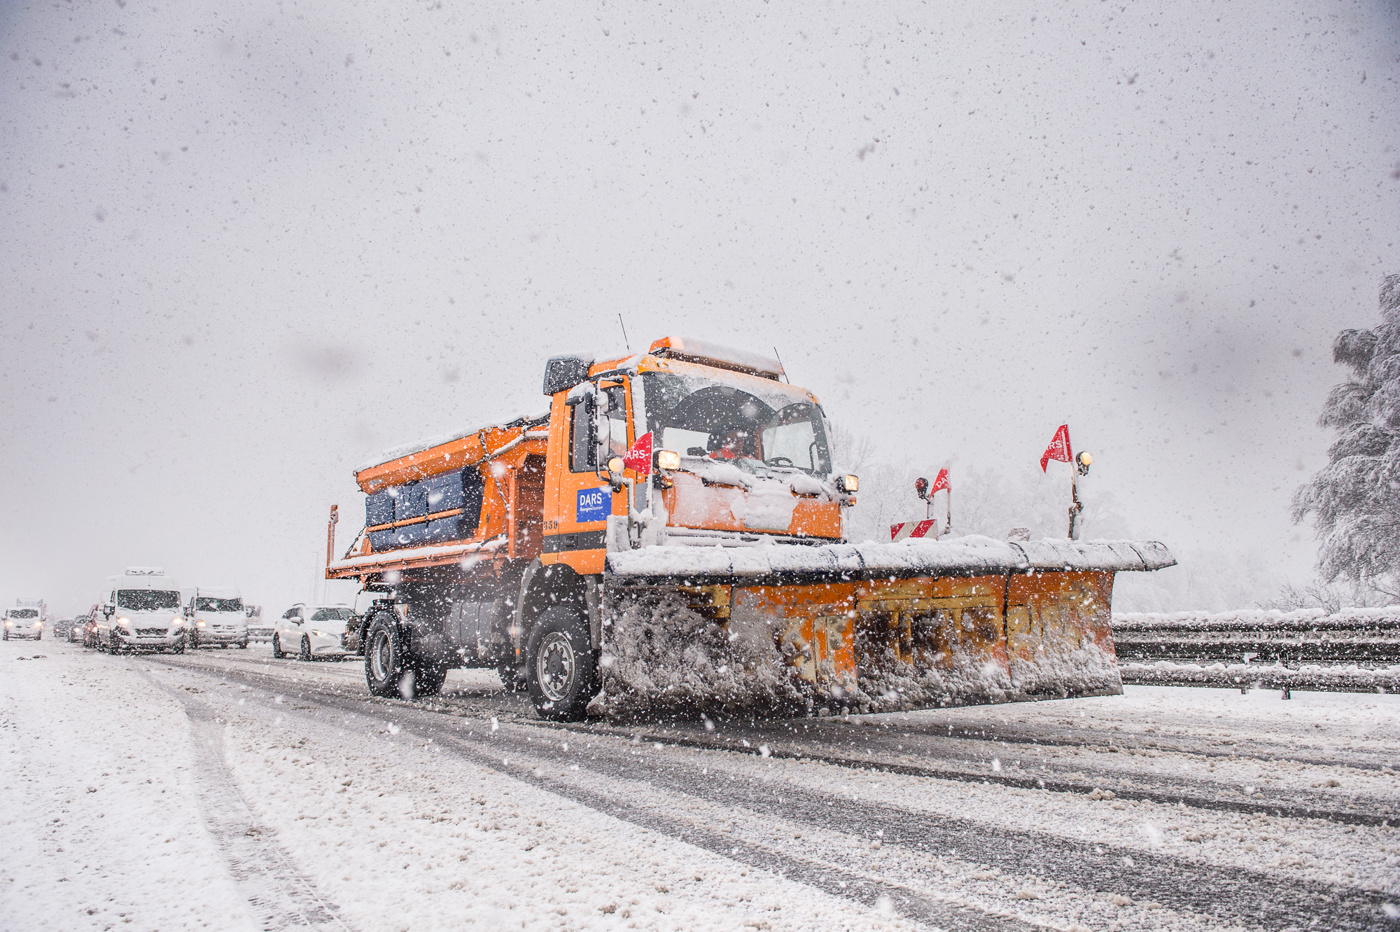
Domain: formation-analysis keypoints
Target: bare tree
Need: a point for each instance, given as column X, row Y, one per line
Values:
column 1355, row 499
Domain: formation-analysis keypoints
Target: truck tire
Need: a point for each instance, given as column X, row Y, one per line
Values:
column 179, row 647
column 277, row 650
column 386, row 663
column 561, row 669
column 428, row 678
column 305, row 653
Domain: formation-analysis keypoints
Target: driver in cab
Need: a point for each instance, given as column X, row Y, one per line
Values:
column 732, row 444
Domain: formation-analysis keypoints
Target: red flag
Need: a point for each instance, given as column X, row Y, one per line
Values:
column 1058, row 449
column 638, row 457
column 941, row 482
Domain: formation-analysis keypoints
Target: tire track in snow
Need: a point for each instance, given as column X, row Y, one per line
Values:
column 1226, row 893
column 1169, row 790
column 1178, row 791
column 281, row 897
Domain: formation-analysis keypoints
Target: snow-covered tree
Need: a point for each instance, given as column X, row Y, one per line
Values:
column 1355, row 499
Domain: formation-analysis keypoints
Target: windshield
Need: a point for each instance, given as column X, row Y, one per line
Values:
column 148, row 600
column 705, row 417
column 332, row 614
column 205, row 604
column 24, row 613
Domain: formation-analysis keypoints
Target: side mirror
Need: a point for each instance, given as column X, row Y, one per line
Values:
column 564, row 372
column 107, row 611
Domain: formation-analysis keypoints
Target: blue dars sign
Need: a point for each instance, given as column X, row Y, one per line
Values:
column 593, row 505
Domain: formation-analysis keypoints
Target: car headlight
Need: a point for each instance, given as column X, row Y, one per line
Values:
column 38, row 624
column 320, row 634
column 9, row 623
column 200, row 623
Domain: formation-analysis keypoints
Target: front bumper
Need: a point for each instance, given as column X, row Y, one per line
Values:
column 26, row 634
column 142, row 641
column 219, row 636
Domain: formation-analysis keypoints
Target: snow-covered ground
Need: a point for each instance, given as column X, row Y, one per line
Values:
column 227, row 790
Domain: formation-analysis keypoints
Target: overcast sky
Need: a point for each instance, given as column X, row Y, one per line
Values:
column 242, row 246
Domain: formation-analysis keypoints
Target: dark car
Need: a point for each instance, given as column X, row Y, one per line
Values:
column 90, row 626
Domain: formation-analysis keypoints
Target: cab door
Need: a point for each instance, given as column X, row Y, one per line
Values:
column 596, row 424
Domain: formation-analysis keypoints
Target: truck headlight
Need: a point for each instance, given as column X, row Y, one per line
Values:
column 200, row 623
column 847, row 484
column 668, row 459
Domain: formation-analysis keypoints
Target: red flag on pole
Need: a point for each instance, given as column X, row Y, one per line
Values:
column 638, row 457
column 1058, row 449
column 940, row 483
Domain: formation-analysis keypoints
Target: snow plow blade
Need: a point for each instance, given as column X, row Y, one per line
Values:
column 792, row 630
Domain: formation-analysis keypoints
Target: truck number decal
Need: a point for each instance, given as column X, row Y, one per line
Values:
column 593, row 505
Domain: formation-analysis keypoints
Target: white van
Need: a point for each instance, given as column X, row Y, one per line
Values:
column 214, row 616
column 141, row 609
column 22, row 621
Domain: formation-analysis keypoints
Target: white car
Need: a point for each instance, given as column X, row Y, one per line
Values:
column 26, row 623
column 311, row 631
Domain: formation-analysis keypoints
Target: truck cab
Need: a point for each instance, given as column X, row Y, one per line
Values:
column 685, row 445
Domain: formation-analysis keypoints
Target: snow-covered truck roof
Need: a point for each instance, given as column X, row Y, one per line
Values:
column 456, row 450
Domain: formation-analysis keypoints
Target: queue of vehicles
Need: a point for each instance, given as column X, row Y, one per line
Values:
column 143, row 609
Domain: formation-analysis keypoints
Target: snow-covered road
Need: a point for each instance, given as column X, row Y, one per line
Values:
column 226, row 789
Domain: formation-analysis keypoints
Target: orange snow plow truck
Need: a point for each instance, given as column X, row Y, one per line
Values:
column 668, row 540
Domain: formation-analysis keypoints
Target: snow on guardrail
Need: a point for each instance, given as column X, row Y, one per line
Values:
column 1353, row 650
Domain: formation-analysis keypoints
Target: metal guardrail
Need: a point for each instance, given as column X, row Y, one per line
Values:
column 1355, row 650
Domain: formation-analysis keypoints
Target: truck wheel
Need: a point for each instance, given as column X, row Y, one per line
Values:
column 561, row 670
column 385, row 663
column 305, row 653
column 179, row 647
column 277, row 647
column 242, row 645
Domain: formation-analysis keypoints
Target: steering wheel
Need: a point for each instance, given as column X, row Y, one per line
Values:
column 780, row 461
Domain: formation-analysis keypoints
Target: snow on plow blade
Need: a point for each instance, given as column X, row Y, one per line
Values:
column 782, row 630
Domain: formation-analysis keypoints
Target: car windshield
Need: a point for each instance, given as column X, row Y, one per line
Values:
column 24, row 613
column 331, row 614
column 205, row 604
column 744, row 420
column 148, row 600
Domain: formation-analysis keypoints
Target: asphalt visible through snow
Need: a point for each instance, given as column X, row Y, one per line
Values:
column 860, row 807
